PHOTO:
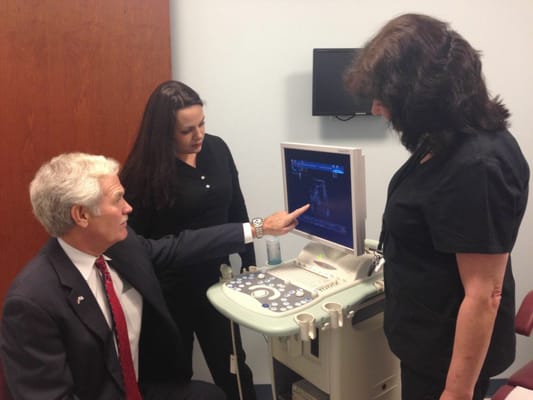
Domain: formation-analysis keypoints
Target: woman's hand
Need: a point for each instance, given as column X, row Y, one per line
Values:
column 282, row 222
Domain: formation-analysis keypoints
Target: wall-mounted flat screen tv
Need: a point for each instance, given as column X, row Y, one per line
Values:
column 330, row 97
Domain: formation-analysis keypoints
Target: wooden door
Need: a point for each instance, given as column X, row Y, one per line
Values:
column 74, row 76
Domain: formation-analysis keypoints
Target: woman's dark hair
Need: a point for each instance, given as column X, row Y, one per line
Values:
column 429, row 78
column 150, row 168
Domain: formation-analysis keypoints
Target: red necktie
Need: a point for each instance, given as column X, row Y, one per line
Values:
column 121, row 332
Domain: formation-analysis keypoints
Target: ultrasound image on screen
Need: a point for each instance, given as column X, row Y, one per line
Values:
column 323, row 180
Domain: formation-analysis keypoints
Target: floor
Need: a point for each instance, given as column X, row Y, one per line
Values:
column 264, row 392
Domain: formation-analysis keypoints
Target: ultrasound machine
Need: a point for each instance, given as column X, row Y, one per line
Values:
column 321, row 312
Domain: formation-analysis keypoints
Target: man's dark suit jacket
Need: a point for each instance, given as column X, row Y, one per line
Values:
column 55, row 342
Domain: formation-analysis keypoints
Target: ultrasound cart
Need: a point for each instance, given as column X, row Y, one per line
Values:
column 323, row 317
column 321, row 312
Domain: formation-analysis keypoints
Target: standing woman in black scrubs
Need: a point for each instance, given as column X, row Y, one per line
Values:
column 453, row 209
column 179, row 177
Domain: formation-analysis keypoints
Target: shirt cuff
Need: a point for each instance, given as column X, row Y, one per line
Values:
column 248, row 235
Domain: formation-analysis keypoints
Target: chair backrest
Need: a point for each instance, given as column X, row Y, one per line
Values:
column 4, row 391
column 502, row 392
column 523, row 378
column 524, row 316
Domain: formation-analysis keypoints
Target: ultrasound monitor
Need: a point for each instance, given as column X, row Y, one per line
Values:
column 331, row 179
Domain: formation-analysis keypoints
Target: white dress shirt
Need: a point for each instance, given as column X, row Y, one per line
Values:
column 248, row 235
column 130, row 299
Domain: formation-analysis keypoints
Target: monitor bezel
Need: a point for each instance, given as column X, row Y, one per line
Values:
column 358, row 197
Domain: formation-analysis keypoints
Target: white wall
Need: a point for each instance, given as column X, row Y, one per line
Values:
column 251, row 62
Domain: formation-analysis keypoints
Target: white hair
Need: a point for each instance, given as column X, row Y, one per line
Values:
column 67, row 180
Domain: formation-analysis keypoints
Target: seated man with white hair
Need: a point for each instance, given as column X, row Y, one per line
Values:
column 86, row 319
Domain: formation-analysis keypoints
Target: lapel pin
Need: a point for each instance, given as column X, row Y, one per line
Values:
column 80, row 299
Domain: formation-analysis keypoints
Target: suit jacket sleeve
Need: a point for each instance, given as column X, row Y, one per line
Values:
column 190, row 246
column 41, row 370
